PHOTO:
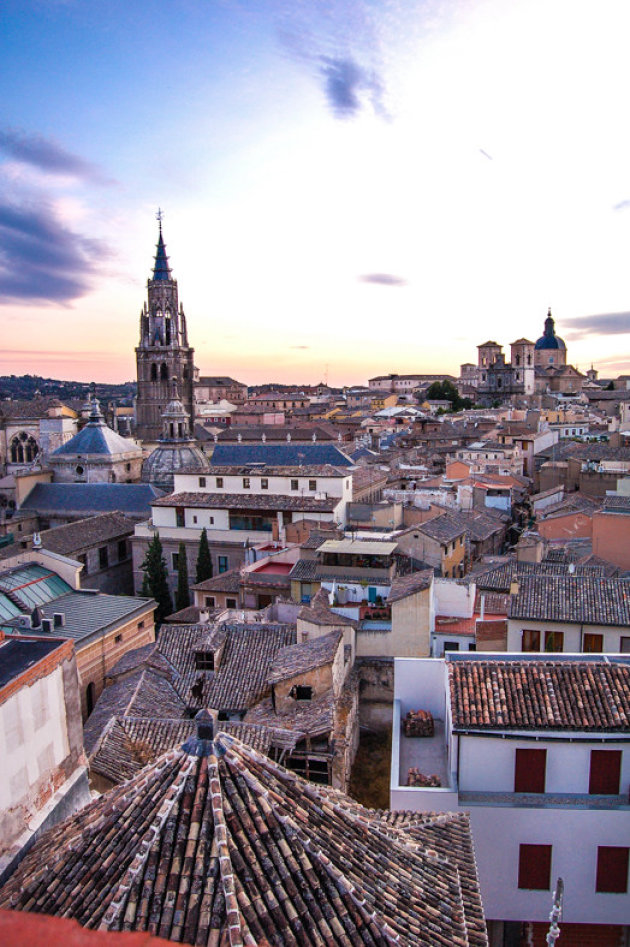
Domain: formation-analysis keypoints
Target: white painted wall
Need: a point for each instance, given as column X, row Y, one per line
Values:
column 232, row 483
column 33, row 737
column 454, row 599
column 573, row 634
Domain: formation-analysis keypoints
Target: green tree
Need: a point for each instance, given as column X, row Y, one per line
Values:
column 446, row 391
column 182, row 596
column 155, row 582
column 204, row 560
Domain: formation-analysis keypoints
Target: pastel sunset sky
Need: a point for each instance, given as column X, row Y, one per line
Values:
column 349, row 187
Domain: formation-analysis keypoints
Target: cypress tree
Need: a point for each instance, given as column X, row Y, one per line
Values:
column 155, row 582
column 182, row 596
column 204, row 561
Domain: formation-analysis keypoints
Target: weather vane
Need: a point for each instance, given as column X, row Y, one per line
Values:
column 159, row 217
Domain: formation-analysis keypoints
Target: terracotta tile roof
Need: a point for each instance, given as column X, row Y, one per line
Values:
column 444, row 528
column 241, row 678
column 540, row 694
column 617, row 504
column 311, row 718
column 319, row 612
column 249, row 501
column 215, row 843
column 405, row 585
column 491, row 630
column 185, row 616
column 75, row 537
column 229, row 581
column 499, row 577
column 128, row 743
column 592, row 600
column 303, row 657
column 317, row 536
column 267, row 470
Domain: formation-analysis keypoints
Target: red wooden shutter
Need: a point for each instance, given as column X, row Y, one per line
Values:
column 605, row 772
column 534, row 867
column 612, row 869
column 529, row 770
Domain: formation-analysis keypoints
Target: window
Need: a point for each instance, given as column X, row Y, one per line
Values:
column 264, row 483
column 194, row 519
column 118, row 639
column 529, row 770
column 593, row 644
column 123, row 550
column 554, row 641
column 294, row 485
column 451, row 645
column 312, row 484
column 530, row 640
column 605, row 772
column 302, row 692
column 180, row 516
column 90, row 697
column 175, row 561
column 103, row 558
column 219, row 482
column 624, row 644
column 209, row 601
column 534, row 867
column 246, row 483
column 211, row 520
column 612, row 869
column 141, row 624
column 204, row 660
column 202, row 481
column 230, row 603
column 223, row 563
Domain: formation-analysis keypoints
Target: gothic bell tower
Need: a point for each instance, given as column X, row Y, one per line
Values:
column 163, row 353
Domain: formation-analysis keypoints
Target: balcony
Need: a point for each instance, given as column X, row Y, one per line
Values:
column 543, row 800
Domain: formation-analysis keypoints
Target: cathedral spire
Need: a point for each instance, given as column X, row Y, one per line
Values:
column 161, row 269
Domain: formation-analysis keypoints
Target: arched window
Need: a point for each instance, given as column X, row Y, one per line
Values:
column 185, row 373
column 24, row 448
column 154, row 372
column 163, row 372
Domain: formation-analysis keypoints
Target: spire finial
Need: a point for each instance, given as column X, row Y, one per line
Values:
column 160, row 217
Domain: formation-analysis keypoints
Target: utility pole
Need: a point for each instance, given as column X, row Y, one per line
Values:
column 556, row 913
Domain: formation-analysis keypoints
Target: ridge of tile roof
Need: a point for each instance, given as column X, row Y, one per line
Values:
column 583, row 598
column 319, row 612
column 304, row 656
column 215, row 842
column 541, row 694
column 405, row 585
column 249, row 501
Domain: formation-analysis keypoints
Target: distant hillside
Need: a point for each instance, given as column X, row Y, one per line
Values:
column 30, row 386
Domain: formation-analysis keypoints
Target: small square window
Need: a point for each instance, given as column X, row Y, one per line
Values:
column 554, row 641
column 123, row 549
column 312, row 484
column 219, row 482
column 294, row 484
column 141, row 624
column 175, row 561
column 246, row 483
column 118, row 639
column 264, row 483
column 209, row 601
column 202, row 481
column 230, row 603
column 223, row 563
column 194, row 519
column 103, row 558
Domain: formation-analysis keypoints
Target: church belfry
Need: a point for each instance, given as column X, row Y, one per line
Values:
column 163, row 352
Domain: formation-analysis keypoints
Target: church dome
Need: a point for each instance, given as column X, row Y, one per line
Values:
column 549, row 339
column 176, row 450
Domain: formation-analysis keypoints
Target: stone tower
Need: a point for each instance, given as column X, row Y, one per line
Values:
column 163, row 352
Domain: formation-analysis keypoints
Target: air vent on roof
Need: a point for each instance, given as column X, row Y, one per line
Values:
column 59, row 619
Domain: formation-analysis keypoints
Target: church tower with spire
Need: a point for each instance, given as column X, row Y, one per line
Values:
column 163, row 353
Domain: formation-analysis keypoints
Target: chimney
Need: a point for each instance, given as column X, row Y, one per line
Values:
column 205, row 725
column 514, row 587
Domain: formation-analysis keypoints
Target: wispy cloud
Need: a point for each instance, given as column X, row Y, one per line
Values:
column 606, row 323
column 41, row 259
column 299, row 346
column 383, row 279
column 47, row 155
column 347, row 85
column 622, row 205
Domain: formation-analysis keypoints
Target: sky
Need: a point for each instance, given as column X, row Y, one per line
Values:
column 349, row 187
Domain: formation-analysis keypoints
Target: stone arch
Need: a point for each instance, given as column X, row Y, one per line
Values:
column 154, row 372
column 24, row 448
column 163, row 372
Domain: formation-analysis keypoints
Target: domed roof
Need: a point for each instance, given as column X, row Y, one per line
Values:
column 97, row 438
column 549, row 339
column 176, row 450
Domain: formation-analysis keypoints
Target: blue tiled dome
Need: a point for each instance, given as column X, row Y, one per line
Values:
column 549, row 339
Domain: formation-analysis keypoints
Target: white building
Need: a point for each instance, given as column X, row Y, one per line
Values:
column 538, row 752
